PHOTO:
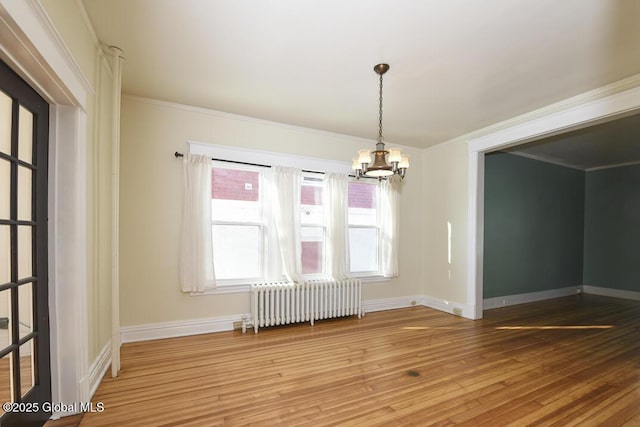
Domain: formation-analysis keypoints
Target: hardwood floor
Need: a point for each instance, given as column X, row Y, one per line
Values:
column 565, row 362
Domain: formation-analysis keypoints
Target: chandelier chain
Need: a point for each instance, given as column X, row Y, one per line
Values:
column 380, row 113
column 380, row 163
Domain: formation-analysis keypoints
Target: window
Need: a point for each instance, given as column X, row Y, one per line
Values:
column 312, row 228
column 363, row 228
column 243, row 222
column 243, row 239
column 238, row 225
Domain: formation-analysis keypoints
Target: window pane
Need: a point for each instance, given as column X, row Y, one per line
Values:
column 311, row 211
column 5, row 189
column 24, row 193
column 237, row 251
column 6, row 379
column 235, row 195
column 27, row 374
column 25, row 135
column 25, row 309
column 363, row 249
column 362, row 195
column 312, row 250
column 25, row 252
column 5, row 318
column 362, row 204
column 6, row 117
column 5, row 254
column 311, row 193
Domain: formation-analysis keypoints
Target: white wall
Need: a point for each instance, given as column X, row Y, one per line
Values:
column 444, row 200
column 151, row 197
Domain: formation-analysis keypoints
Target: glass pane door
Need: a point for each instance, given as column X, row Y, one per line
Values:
column 25, row 374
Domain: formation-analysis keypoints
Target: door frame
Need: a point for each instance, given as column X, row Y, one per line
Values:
column 32, row 47
column 23, row 96
column 610, row 102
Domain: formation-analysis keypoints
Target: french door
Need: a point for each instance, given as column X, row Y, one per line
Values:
column 25, row 373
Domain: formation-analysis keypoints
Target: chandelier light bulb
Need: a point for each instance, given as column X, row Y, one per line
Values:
column 364, row 156
column 395, row 155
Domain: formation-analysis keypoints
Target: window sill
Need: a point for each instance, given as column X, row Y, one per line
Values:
column 374, row 279
column 224, row 289
column 246, row 287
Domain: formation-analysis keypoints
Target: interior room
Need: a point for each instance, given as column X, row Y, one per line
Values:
column 324, row 213
column 577, row 193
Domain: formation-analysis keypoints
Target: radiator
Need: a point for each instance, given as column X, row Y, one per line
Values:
column 283, row 303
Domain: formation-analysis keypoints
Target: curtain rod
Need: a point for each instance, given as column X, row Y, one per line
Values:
column 178, row 154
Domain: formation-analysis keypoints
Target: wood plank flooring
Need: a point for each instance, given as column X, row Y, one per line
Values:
column 572, row 361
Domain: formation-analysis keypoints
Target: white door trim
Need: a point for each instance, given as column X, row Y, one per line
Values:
column 30, row 45
column 607, row 103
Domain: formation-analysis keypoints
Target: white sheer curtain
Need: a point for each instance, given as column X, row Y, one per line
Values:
column 196, row 247
column 286, row 183
column 336, row 222
column 388, row 221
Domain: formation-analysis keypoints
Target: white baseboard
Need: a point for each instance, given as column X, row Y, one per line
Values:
column 451, row 307
column 156, row 331
column 507, row 300
column 608, row 292
column 390, row 303
column 182, row 328
column 99, row 368
column 96, row 373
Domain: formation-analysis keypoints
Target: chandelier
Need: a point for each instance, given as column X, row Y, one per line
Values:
column 385, row 162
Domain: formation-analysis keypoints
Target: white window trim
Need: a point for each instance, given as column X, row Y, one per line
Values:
column 270, row 158
column 375, row 276
column 266, row 244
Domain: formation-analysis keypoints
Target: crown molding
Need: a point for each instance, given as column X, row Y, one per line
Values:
column 617, row 165
column 544, row 160
column 101, row 49
column 559, row 107
column 263, row 122
column 30, row 43
column 87, row 22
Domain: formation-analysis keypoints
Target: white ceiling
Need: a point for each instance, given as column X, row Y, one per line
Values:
column 456, row 65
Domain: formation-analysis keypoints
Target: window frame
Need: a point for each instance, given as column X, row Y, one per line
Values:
column 375, row 273
column 266, row 242
column 316, row 181
column 257, row 160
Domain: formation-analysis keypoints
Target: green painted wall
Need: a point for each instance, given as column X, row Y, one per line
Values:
column 533, row 226
column 612, row 228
